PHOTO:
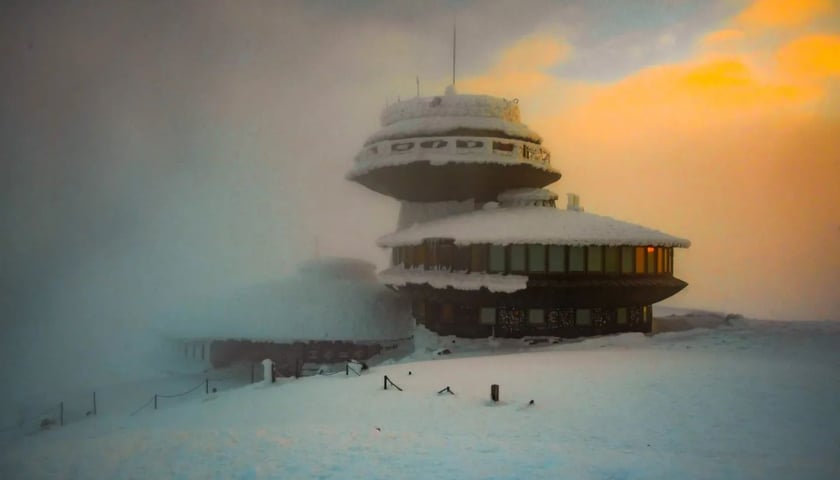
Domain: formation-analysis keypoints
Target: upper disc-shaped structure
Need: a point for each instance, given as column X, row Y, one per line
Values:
column 452, row 147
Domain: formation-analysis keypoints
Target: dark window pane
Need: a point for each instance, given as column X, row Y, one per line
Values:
column 594, row 260
column 517, row 258
column 576, row 259
column 497, row 259
column 556, row 258
column 611, row 255
column 536, row 258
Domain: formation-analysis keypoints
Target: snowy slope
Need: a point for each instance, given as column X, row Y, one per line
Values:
column 755, row 401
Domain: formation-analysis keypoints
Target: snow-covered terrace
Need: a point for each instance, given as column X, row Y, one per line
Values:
column 399, row 276
column 446, row 149
column 536, row 225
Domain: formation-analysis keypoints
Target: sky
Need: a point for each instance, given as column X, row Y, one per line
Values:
column 156, row 154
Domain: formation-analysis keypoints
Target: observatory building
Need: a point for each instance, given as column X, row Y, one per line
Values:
column 481, row 246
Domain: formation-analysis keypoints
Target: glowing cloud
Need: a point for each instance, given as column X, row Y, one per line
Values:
column 783, row 13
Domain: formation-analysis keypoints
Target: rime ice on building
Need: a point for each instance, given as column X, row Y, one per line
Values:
column 481, row 247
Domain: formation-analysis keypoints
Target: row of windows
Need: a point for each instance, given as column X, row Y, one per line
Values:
column 535, row 258
column 500, row 147
column 556, row 317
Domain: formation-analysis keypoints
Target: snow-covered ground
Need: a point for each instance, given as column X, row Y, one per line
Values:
column 750, row 400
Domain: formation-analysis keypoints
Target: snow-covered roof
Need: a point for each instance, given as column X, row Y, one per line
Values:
column 440, row 125
column 399, row 276
column 542, row 225
column 526, row 194
column 451, row 105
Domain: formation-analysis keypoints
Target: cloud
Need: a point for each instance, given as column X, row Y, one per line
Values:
column 812, row 56
column 764, row 14
column 522, row 67
column 731, row 147
column 719, row 37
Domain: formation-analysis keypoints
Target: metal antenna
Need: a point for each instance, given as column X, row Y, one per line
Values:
column 454, row 43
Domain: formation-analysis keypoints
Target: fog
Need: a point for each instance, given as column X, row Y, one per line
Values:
column 155, row 154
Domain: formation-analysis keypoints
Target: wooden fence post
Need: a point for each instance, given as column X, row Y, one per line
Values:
column 206, row 386
column 494, row 392
column 156, row 401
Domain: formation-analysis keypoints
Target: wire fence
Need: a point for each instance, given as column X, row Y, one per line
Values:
column 73, row 408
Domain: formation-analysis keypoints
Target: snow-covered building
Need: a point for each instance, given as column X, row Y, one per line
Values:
column 330, row 311
column 481, row 247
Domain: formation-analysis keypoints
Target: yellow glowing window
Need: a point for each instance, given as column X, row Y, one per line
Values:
column 640, row 259
column 660, row 260
column 651, row 260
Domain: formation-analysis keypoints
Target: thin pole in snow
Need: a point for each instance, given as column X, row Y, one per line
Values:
column 94, row 403
column 418, row 85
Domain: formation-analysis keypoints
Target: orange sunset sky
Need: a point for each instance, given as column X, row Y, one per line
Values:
column 736, row 147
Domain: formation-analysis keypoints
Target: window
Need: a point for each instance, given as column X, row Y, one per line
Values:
column 576, row 259
column 671, row 260
column 594, row 259
column 556, row 258
column 517, row 258
column 583, row 317
column 462, row 259
column 640, row 259
column 621, row 316
column 497, row 259
column 446, row 256
column 431, row 255
column 402, row 146
column 611, row 255
column 420, row 256
column 488, row 316
column 447, row 313
column 433, row 144
column 660, row 261
column 478, row 258
column 503, row 147
column 627, row 258
column 469, row 143
column 651, row 260
column 536, row 258
column 536, row 316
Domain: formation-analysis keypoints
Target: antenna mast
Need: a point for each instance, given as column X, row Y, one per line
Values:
column 454, row 43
